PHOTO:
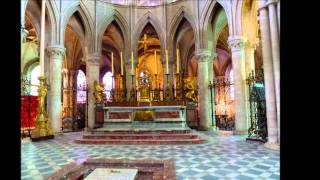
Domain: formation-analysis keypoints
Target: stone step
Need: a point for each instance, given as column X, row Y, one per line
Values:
column 141, row 141
column 184, row 131
column 139, row 136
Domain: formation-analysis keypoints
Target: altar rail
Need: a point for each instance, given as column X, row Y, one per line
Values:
column 175, row 114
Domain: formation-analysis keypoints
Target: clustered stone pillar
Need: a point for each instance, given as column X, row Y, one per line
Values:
column 237, row 45
column 250, row 67
column 68, row 92
column 128, row 78
column 275, row 55
column 269, row 79
column 203, row 57
column 92, row 74
column 56, row 57
column 71, row 93
column 24, row 34
column 211, row 77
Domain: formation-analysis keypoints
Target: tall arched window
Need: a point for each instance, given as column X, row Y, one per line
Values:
column 107, row 81
column 81, row 87
column 35, row 73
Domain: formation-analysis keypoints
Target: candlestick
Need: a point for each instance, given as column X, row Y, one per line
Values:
column 132, row 63
column 178, row 60
column 42, row 37
column 121, row 63
column 167, row 65
column 112, row 68
column 155, row 62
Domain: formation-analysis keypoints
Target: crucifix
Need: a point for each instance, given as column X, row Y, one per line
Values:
column 145, row 43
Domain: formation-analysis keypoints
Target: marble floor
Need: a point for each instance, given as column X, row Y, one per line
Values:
column 223, row 157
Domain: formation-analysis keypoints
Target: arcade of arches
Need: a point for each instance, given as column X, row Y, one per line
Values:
column 128, row 45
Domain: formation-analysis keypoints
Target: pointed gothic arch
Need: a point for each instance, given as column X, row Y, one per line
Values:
column 173, row 27
column 86, row 21
column 148, row 18
column 124, row 27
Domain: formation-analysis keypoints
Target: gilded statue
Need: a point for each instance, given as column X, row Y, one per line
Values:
column 190, row 89
column 99, row 92
column 42, row 122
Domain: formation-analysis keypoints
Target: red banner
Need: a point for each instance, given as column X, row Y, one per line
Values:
column 29, row 107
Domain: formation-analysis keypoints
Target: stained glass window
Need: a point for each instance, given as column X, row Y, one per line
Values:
column 81, row 87
column 35, row 73
column 107, row 81
column 148, row 2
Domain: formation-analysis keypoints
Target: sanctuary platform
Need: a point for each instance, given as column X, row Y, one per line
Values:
column 147, row 136
column 143, row 125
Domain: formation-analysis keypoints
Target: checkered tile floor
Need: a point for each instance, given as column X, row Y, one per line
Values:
column 223, row 157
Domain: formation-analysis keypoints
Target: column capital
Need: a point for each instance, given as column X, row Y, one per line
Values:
column 56, row 50
column 214, row 55
column 262, row 4
column 94, row 58
column 237, row 42
column 271, row 2
column 203, row 55
column 24, row 33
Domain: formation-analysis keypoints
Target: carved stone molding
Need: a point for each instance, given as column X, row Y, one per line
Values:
column 237, row 42
column 214, row 55
column 94, row 58
column 24, row 33
column 203, row 55
column 56, row 51
column 271, row 2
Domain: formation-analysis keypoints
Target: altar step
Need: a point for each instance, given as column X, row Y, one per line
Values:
column 146, row 138
column 140, row 136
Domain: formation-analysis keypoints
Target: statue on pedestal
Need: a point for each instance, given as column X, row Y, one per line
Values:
column 99, row 92
column 43, row 129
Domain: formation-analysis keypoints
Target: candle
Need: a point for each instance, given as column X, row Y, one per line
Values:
column 132, row 63
column 42, row 37
column 178, row 60
column 121, row 63
column 155, row 62
column 112, row 68
column 167, row 65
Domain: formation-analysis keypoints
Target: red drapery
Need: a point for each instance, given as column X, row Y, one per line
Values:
column 26, row 103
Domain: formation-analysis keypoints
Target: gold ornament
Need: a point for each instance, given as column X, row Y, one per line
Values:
column 99, row 92
column 190, row 90
column 43, row 128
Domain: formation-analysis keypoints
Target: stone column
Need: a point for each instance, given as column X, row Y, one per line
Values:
column 128, row 78
column 211, row 76
column 275, row 56
column 92, row 74
column 203, row 57
column 71, row 95
column 250, row 66
column 278, row 15
column 24, row 33
column 237, row 45
column 56, row 57
column 249, row 57
column 65, row 93
column 269, row 80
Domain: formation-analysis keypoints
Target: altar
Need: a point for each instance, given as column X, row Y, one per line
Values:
column 149, row 116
